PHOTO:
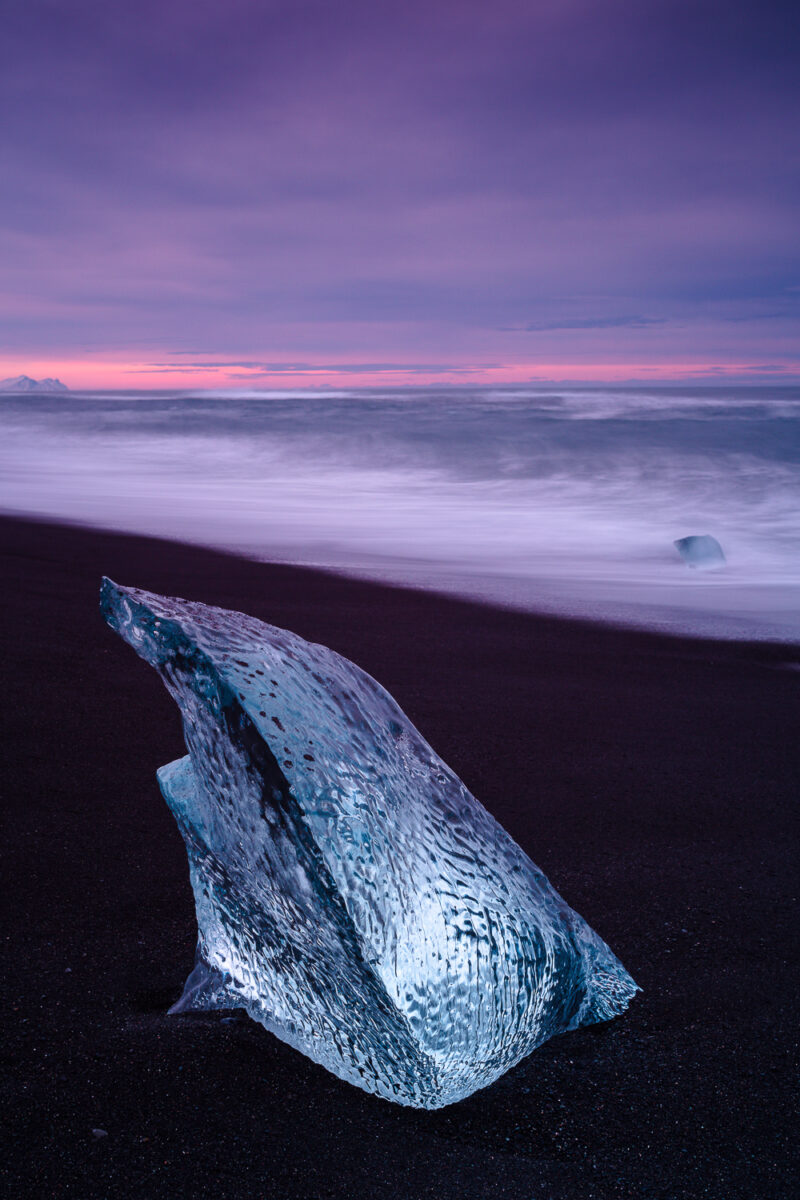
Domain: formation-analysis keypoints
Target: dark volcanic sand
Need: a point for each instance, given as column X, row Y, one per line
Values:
column 654, row 780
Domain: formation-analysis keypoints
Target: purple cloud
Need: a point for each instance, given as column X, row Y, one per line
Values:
column 397, row 182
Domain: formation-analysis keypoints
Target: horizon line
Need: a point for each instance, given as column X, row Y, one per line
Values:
column 94, row 375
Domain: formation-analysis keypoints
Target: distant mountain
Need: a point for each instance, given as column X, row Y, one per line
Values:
column 24, row 383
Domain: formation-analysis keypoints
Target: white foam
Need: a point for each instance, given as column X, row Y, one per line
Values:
column 457, row 492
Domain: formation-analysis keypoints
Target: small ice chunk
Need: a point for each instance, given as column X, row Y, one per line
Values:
column 701, row 551
column 351, row 894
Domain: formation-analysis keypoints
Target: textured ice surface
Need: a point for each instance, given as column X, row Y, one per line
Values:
column 351, row 893
column 701, row 551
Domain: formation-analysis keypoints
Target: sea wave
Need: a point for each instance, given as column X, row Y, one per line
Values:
column 568, row 500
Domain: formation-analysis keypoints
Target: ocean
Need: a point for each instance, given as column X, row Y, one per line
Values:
column 562, row 500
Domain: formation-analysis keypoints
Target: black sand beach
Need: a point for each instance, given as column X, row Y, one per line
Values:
column 653, row 779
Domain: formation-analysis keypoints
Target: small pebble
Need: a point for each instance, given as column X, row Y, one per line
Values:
column 99, row 1133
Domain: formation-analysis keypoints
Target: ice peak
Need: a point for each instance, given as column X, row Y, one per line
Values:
column 24, row 383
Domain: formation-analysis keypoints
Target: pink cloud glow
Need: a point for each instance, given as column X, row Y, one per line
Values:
column 139, row 374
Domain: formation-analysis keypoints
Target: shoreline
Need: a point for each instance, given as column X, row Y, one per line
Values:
column 652, row 777
column 602, row 602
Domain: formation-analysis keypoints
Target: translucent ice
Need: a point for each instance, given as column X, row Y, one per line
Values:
column 351, row 894
column 701, row 551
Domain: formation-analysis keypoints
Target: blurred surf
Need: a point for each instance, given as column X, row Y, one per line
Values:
column 564, row 500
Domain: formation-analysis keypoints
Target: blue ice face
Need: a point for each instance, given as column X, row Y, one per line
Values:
column 701, row 551
column 351, row 893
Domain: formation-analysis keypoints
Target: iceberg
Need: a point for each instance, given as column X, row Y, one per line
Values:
column 24, row 383
column 351, row 894
column 701, row 551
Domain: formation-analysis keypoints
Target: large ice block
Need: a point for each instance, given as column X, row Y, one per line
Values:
column 351, row 894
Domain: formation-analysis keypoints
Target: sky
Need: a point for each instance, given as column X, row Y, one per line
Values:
column 281, row 192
